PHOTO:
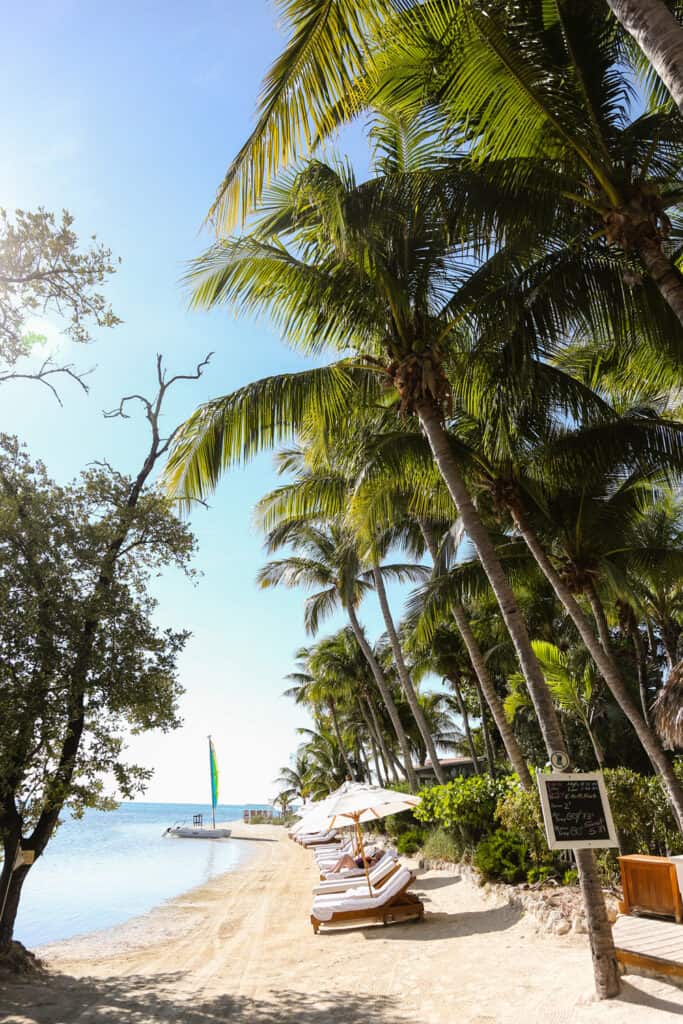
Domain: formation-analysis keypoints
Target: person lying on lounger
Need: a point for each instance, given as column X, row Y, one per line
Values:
column 346, row 861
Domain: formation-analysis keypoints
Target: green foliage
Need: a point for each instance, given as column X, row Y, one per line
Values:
column 541, row 874
column 466, row 805
column 519, row 811
column 503, row 856
column 46, row 273
column 442, row 845
column 410, row 841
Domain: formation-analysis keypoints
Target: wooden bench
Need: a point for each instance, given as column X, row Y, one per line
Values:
column 650, row 886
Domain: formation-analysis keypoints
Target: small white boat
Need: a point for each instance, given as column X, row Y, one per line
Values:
column 192, row 832
column 197, row 830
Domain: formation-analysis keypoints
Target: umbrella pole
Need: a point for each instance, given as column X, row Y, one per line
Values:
column 362, row 853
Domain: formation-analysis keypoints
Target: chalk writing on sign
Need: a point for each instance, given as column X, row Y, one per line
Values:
column 576, row 811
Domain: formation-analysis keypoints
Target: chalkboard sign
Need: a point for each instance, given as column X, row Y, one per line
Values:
column 576, row 811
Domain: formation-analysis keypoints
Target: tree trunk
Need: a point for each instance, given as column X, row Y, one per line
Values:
column 465, row 722
column 11, row 884
column 664, row 273
column 371, row 737
column 605, row 663
column 512, row 747
column 641, row 668
column 602, row 945
column 605, row 968
column 597, row 749
column 659, row 35
column 670, row 633
column 480, row 538
column 340, row 741
column 484, row 681
column 404, row 676
column 383, row 688
column 389, row 766
column 486, row 732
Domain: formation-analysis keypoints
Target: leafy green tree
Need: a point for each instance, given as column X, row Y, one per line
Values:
column 82, row 657
column 44, row 272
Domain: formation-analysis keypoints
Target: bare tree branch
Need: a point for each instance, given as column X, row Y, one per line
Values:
column 49, row 369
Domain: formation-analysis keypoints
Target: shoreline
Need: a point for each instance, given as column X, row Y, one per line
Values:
column 159, row 924
column 241, row 948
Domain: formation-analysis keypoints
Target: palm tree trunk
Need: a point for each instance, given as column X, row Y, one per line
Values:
column 512, row 747
column 386, row 697
column 371, row 739
column 602, row 944
column 488, row 742
column 404, row 676
column 659, row 35
column 605, row 968
column 641, row 667
column 664, row 273
column 670, row 633
column 389, row 766
column 337, row 732
column 465, row 722
column 601, row 655
column 484, row 681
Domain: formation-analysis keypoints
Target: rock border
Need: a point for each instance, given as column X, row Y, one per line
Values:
column 557, row 909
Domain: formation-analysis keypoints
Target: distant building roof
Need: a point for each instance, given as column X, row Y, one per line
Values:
column 444, row 761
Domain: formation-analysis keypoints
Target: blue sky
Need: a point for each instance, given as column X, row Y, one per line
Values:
column 127, row 115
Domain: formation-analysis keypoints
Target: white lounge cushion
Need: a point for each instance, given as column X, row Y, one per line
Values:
column 324, row 907
column 317, row 837
column 354, row 872
column 340, row 883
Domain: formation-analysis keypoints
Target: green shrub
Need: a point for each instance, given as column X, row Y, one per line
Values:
column 410, row 842
column 520, row 811
column 465, row 805
column 441, row 845
column 570, row 877
column 503, row 856
column 542, row 873
column 395, row 825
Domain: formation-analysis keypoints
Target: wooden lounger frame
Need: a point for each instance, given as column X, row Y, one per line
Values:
column 403, row 906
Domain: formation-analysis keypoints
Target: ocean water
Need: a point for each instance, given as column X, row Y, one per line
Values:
column 110, row 866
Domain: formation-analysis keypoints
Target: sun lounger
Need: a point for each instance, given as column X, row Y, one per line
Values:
column 341, row 882
column 328, row 855
column 327, row 875
column 389, row 904
column 318, row 838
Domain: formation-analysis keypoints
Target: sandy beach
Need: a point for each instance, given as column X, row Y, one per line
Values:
column 241, row 949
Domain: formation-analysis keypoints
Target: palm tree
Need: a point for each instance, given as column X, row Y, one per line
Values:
column 326, row 490
column 371, row 282
column 330, row 561
column 543, row 103
column 319, row 684
column 295, row 777
column 574, row 693
column 370, row 268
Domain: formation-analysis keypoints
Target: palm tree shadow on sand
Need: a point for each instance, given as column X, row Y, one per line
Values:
column 57, row 998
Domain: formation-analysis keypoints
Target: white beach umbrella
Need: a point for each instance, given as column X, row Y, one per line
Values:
column 360, row 802
column 314, row 819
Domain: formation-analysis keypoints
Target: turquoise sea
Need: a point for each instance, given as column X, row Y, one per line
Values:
column 109, row 866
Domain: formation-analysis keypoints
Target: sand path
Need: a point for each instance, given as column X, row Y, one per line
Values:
column 241, row 949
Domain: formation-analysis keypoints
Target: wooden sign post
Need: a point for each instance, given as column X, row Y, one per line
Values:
column 576, row 811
